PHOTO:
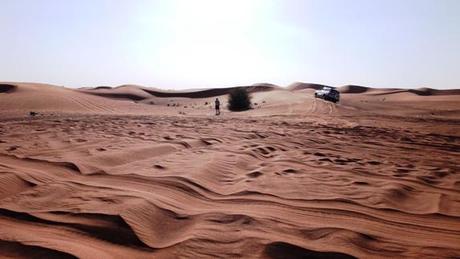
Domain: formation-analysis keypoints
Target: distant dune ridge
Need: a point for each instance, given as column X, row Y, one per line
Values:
column 301, row 86
column 353, row 89
column 140, row 93
column 382, row 91
column 348, row 89
column 356, row 89
column 295, row 98
column 139, row 172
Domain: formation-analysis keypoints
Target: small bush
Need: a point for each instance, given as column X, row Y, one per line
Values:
column 239, row 100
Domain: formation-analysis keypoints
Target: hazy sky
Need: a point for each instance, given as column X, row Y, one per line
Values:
column 216, row 43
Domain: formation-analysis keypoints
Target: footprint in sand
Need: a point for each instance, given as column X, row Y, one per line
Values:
column 12, row 148
column 319, row 154
column 254, row 174
column 287, row 172
column 159, row 167
column 374, row 162
column 428, row 179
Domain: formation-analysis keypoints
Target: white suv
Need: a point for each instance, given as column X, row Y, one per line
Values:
column 328, row 94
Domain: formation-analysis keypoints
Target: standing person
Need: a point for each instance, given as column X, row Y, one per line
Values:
column 217, row 106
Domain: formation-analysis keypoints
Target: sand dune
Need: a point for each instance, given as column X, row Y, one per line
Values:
column 430, row 91
column 130, row 92
column 302, row 86
column 21, row 98
column 353, row 89
column 141, row 93
column 100, row 174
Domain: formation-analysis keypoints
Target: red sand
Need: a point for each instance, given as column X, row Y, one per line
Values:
column 134, row 172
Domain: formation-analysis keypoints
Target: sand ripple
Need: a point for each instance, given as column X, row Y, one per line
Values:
column 158, row 186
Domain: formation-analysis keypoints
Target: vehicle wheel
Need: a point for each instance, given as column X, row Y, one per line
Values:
column 316, row 95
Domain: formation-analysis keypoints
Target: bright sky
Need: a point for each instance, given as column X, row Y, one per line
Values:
column 216, row 43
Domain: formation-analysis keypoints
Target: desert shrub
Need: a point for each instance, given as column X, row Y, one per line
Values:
column 239, row 100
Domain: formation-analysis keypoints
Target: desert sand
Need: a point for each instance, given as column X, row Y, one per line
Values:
column 137, row 172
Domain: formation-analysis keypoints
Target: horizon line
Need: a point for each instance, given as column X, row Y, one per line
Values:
column 228, row 86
